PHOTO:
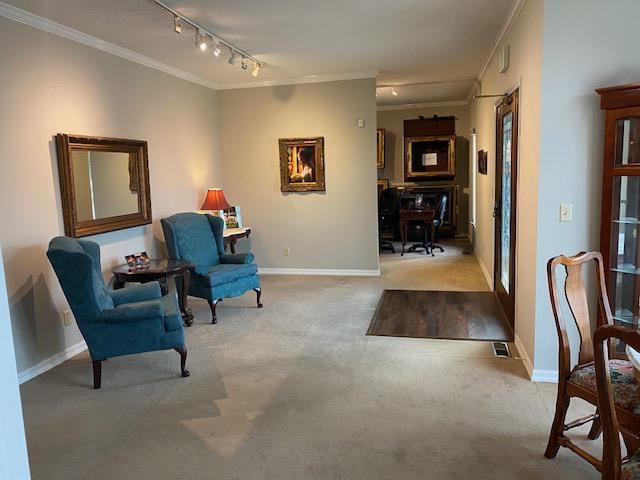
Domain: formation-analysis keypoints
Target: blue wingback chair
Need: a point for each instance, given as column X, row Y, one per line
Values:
column 114, row 322
column 198, row 239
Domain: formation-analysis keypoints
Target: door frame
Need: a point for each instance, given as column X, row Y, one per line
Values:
column 507, row 301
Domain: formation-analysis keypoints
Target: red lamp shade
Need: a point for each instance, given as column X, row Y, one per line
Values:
column 215, row 200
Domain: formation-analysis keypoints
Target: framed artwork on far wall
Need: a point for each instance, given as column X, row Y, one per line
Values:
column 482, row 162
column 380, row 148
column 302, row 164
column 383, row 184
column 429, row 157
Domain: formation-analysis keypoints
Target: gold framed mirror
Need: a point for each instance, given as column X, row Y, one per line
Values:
column 104, row 184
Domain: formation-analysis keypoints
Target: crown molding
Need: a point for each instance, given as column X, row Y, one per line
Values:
column 330, row 77
column 506, row 27
column 41, row 23
column 407, row 106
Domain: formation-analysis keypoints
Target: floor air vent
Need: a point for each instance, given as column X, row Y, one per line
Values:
column 501, row 349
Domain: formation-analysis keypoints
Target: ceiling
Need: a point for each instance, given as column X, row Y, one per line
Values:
column 443, row 43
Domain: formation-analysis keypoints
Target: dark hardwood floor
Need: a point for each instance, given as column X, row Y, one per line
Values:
column 446, row 315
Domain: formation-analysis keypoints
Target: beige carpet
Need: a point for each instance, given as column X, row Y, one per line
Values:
column 297, row 391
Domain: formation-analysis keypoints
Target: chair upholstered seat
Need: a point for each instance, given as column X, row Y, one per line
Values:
column 625, row 387
column 227, row 272
column 631, row 469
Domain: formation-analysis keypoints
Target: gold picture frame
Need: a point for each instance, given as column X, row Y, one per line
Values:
column 429, row 156
column 380, row 147
column 383, row 184
column 302, row 164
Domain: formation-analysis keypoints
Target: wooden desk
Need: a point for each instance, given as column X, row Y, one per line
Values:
column 424, row 215
column 231, row 236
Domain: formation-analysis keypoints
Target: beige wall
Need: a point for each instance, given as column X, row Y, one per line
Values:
column 393, row 123
column 336, row 229
column 52, row 85
column 525, row 40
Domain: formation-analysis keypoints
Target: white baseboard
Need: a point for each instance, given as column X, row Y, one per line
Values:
column 486, row 273
column 548, row 376
column 319, row 271
column 49, row 363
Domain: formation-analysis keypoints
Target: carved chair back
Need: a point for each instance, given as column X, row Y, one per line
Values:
column 576, row 295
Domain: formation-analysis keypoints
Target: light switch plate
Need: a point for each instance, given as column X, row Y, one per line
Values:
column 67, row 318
column 566, row 212
column 360, row 123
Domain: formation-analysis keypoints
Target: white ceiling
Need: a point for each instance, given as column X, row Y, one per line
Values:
column 441, row 42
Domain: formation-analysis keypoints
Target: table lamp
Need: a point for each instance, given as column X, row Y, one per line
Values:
column 215, row 200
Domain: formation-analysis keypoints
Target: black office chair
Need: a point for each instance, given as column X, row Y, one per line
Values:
column 388, row 215
column 438, row 220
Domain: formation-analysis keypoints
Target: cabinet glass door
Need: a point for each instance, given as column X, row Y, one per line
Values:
column 624, row 280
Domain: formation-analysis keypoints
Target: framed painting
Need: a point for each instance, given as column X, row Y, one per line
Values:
column 302, row 164
column 429, row 157
column 380, row 148
column 383, row 184
column 482, row 162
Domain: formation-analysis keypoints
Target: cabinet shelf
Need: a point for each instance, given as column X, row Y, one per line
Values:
column 626, row 268
column 627, row 221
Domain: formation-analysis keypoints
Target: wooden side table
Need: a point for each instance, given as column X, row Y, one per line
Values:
column 424, row 215
column 160, row 271
column 232, row 235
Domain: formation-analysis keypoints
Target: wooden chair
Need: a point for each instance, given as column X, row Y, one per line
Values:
column 579, row 381
column 611, row 399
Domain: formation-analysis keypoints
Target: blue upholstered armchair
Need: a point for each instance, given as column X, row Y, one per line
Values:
column 118, row 322
column 198, row 239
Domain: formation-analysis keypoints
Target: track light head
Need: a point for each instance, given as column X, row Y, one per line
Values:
column 394, row 92
column 216, row 50
column 233, row 58
column 201, row 41
column 256, row 69
column 244, row 63
column 177, row 25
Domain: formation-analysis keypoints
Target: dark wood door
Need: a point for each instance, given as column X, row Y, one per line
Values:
column 505, row 206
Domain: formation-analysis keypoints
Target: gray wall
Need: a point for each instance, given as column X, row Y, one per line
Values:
column 571, row 151
column 60, row 86
column 393, row 123
column 336, row 229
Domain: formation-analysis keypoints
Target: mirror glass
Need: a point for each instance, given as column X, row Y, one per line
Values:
column 105, row 184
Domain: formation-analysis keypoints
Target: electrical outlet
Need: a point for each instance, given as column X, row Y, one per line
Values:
column 287, row 251
column 566, row 212
column 67, row 318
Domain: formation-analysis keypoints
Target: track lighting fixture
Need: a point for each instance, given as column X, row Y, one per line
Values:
column 177, row 25
column 206, row 39
column 201, row 41
column 394, row 92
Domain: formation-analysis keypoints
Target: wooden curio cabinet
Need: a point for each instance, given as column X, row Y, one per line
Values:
column 620, row 228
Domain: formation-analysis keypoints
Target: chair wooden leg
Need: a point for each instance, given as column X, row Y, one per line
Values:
column 557, row 428
column 97, row 374
column 596, row 428
column 212, row 306
column 183, row 361
column 258, row 293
